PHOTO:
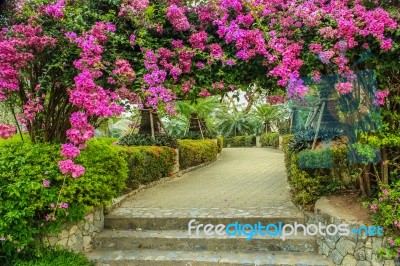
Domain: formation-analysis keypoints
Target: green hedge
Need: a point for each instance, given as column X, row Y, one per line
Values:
column 315, row 173
column 146, row 140
column 25, row 201
column 147, row 163
column 270, row 139
column 240, row 141
column 220, row 143
column 195, row 152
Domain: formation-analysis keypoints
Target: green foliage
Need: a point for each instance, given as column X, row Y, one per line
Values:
column 220, row 143
column 308, row 185
column 311, row 177
column 147, row 140
column 147, row 164
column 195, row 152
column 177, row 125
column 26, row 202
column 233, row 124
column 203, row 107
column 241, row 141
column 315, row 158
column 270, row 139
column 197, row 135
column 286, row 139
column 267, row 113
column 105, row 175
column 304, row 138
column 386, row 214
column 55, row 258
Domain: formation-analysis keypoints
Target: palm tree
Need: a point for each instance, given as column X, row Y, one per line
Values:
column 234, row 123
column 197, row 112
column 177, row 125
column 203, row 107
column 267, row 114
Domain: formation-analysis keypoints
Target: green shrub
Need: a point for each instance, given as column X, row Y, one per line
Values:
column 315, row 173
column 226, row 142
column 315, row 158
column 197, row 135
column 250, row 141
column 146, row 140
column 240, row 141
column 385, row 209
column 55, row 257
column 287, row 154
column 270, row 139
column 147, row 164
column 308, row 185
column 220, row 143
column 195, row 152
column 26, row 202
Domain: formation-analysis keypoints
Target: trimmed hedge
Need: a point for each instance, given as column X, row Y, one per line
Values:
column 315, row 173
column 24, row 166
column 240, row 141
column 146, row 140
column 195, row 152
column 147, row 163
column 270, row 139
column 220, row 143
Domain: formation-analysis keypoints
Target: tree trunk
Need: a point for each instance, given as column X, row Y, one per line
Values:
column 385, row 167
column 197, row 124
column 149, row 123
column 367, row 179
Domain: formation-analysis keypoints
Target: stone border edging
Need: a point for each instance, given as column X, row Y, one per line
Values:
column 351, row 250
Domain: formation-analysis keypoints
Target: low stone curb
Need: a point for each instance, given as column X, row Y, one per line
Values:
column 349, row 250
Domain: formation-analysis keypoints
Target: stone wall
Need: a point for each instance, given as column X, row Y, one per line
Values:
column 352, row 250
column 78, row 236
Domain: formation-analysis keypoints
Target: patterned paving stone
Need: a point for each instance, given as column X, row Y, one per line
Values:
column 241, row 178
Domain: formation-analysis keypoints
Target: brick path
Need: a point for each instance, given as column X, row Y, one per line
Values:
column 241, row 178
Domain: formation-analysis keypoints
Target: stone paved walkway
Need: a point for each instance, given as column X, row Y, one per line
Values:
column 241, row 178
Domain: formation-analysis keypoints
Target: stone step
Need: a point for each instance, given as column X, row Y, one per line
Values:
column 178, row 219
column 180, row 240
column 202, row 258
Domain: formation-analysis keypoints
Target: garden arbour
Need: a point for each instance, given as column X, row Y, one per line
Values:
column 66, row 65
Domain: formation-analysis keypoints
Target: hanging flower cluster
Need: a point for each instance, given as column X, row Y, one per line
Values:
column 56, row 10
column 6, row 131
column 17, row 48
column 380, row 97
column 88, row 95
column 176, row 16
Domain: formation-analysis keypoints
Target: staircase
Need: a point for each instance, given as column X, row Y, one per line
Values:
column 151, row 236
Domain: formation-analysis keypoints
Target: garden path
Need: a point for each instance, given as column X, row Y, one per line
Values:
column 240, row 178
column 245, row 185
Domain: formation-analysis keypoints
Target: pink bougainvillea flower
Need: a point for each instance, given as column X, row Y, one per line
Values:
column 344, row 88
column 63, row 205
column 56, row 10
column 374, row 207
column 204, row 93
column 69, row 167
column 69, row 151
column 46, row 183
column 7, row 131
column 380, row 97
column 177, row 18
